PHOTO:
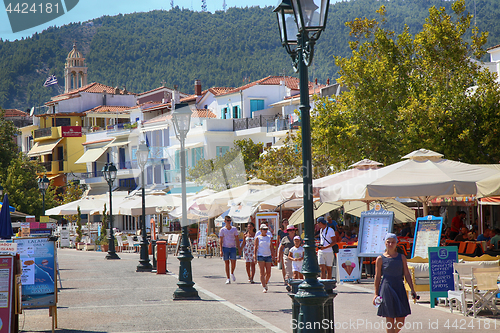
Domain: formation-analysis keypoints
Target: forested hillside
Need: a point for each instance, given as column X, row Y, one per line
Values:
column 141, row 50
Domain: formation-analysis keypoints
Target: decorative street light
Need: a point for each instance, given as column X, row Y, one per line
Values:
column 181, row 118
column 43, row 185
column 309, row 20
column 142, row 158
column 109, row 172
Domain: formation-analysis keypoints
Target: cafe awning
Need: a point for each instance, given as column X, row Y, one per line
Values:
column 92, row 154
column 43, row 147
column 119, row 142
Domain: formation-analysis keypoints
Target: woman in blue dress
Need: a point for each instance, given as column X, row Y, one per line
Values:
column 390, row 269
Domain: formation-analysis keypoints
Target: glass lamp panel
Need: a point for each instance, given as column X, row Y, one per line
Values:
column 311, row 14
column 112, row 172
column 105, row 172
column 142, row 155
column 181, row 119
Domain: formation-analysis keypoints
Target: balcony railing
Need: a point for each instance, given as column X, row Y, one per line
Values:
column 53, row 166
column 278, row 124
column 247, row 123
column 42, row 132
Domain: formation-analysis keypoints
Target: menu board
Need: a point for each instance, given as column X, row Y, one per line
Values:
column 441, row 261
column 374, row 225
column 427, row 234
column 202, row 235
column 38, row 277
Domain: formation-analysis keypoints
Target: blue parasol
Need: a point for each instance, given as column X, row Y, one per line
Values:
column 5, row 221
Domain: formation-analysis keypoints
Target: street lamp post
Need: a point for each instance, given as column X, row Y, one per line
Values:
column 142, row 158
column 181, row 118
column 43, row 185
column 109, row 172
column 301, row 23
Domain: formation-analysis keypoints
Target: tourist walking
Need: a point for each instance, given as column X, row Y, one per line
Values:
column 248, row 251
column 327, row 239
column 390, row 268
column 228, row 241
column 285, row 245
column 264, row 251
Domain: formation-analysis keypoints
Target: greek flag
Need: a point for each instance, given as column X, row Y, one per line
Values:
column 51, row 80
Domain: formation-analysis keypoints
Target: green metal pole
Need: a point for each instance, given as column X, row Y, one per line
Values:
column 185, row 285
column 144, row 264
column 111, row 239
column 311, row 294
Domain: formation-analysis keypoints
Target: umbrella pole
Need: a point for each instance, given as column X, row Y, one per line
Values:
column 426, row 208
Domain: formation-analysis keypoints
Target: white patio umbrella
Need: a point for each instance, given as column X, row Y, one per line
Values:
column 422, row 176
column 215, row 204
column 88, row 205
column 154, row 204
column 358, row 168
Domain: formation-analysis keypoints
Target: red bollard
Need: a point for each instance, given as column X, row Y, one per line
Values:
column 161, row 257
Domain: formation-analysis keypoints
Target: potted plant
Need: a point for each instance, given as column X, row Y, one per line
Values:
column 78, row 241
column 103, row 240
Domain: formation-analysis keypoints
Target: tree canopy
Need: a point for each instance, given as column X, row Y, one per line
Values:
column 408, row 92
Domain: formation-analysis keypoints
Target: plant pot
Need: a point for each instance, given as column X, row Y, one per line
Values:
column 104, row 247
column 79, row 245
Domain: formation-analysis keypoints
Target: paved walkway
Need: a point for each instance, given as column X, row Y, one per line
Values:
column 109, row 296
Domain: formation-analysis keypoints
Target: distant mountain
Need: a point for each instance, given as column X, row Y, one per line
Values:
column 141, row 50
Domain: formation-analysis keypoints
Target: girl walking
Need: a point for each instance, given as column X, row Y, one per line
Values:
column 248, row 251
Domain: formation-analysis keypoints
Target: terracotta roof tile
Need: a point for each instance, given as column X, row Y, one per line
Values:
column 93, row 87
column 203, row 113
column 290, row 82
column 108, row 109
column 160, row 118
column 15, row 113
column 220, row 90
column 493, row 47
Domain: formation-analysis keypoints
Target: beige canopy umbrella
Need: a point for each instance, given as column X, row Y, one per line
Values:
column 402, row 213
column 423, row 175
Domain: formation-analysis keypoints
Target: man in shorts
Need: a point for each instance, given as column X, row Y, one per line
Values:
column 228, row 241
column 327, row 239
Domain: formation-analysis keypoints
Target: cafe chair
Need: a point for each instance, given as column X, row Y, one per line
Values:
column 485, row 289
column 462, row 295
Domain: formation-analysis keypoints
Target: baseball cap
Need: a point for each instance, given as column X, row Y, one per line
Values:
column 321, row 219
column 296, row 237
column 291, row 227
column 263, row 226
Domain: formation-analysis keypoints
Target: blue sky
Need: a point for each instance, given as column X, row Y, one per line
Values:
column 89, row 9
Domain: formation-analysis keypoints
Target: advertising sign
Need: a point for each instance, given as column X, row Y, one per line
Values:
column 71, row 131
column 348, row 265
column 272, row 219
column 38, row 265
column 6, row 292
column 441, row 261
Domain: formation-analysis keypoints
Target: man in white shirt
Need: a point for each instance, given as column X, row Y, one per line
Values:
column 229, row 240
column 325, row 251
